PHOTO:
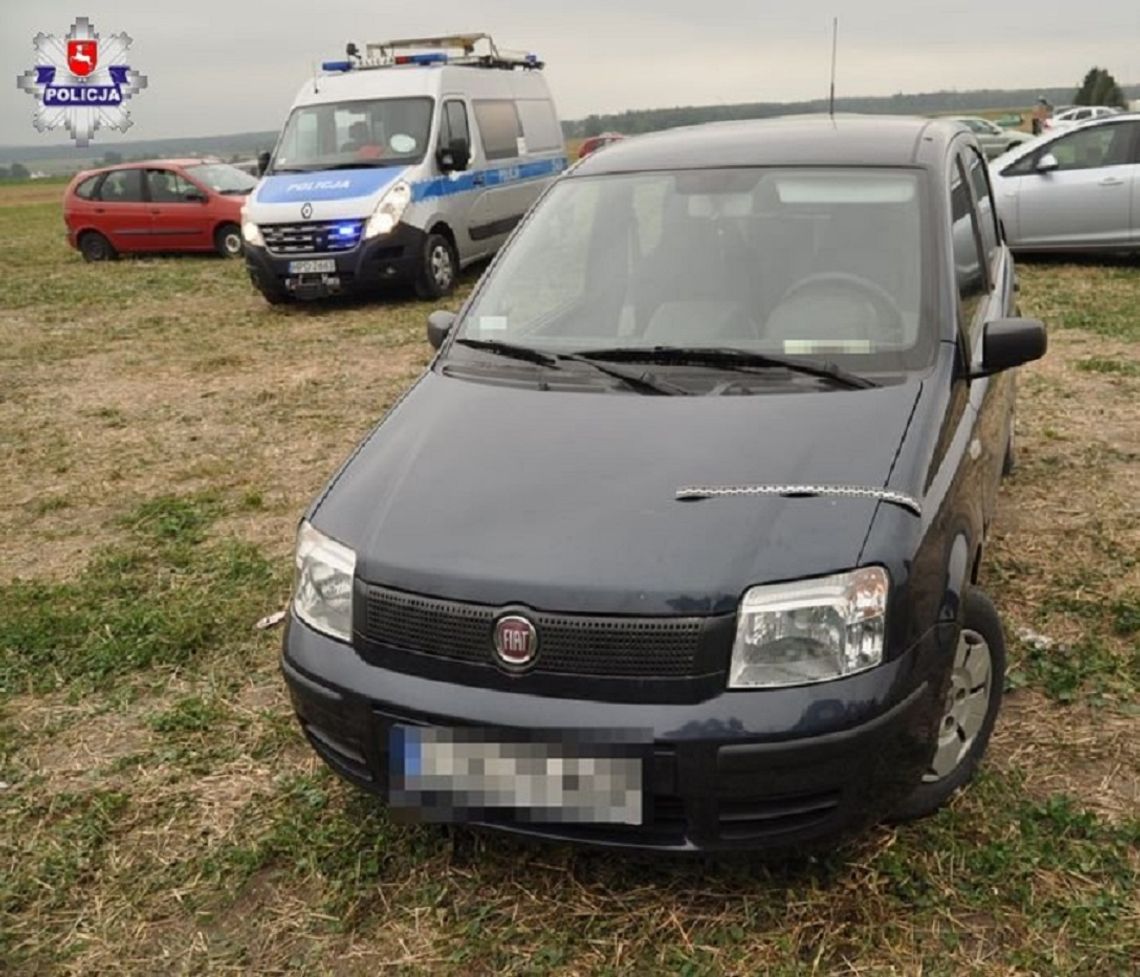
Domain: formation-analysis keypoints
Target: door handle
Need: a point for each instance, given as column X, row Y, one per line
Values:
column 100, row 210
column 1111, row 181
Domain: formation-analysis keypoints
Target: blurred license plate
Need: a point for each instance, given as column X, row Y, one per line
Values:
column 462, row 774
column 314, row 266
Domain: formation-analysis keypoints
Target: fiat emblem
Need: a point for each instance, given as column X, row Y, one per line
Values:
column 516, row 641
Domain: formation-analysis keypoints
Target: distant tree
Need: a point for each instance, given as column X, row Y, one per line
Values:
column 18, row 171
column 1100, row 88
column 4, row 174
column 111, row 158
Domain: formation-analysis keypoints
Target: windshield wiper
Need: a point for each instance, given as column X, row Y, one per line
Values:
column 643, row 382
column 728, row 357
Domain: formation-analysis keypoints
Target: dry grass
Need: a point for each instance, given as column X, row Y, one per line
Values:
column 163, row 817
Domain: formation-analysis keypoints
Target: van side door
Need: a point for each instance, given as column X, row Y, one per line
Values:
column 504, row 195
column 454, row 126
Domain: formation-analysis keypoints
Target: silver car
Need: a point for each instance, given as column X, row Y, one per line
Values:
column 1077, row 190
column 993, row 139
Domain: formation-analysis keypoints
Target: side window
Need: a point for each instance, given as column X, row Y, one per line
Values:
column 86, row 190
column 453, row 123
column 540, row 125
column 969, row 263
column 168, row 187
column 499, row 128
column 987, row 219
column 122, row 187
column 1105, row 145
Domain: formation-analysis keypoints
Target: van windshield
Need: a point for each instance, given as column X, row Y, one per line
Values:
column 369, row 132
column 820, row 262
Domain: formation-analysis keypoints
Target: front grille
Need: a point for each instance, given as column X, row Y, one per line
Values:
column 576, row 644
column 314, row 237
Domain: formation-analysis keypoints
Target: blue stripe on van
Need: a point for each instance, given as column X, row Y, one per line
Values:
column 447, row 186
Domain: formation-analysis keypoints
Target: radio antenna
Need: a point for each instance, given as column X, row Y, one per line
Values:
column 834, row 45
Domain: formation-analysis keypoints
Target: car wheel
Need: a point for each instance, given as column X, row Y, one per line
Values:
column 94, row 247
column 438, row 268
column 1009, row 462
column 227, row 241
column 969, row 709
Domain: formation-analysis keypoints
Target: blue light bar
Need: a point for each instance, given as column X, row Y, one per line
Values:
column 336, row 66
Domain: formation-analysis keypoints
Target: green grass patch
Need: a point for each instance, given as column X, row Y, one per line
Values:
column 1118, row 367
column 163, row 596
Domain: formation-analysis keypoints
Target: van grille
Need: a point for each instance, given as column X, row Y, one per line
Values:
column 576, row 644
column 314, row 237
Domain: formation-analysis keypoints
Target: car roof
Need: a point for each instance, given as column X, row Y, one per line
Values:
column 806, row 140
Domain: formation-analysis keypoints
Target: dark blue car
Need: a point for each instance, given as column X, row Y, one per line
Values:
column 676, row 544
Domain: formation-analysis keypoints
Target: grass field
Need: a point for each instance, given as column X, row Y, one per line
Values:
column 161, row 429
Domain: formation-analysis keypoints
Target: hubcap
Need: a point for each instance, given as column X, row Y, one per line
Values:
column 441, row 266
column 967, row 700
column 232, row 243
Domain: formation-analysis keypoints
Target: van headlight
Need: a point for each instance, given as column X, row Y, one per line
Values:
column 810, row 630
column 322, row 592
column 389, row 210
column 252, row 234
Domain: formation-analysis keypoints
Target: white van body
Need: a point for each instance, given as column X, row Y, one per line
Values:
column 362, row 188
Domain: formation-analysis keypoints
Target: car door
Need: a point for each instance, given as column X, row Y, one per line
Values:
column 121, row 211
column 985, row 293
column 504, row 195
column 178, row 211
column 455, row 126
column 1086, row 200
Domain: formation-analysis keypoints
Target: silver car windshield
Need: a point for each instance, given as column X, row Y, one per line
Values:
column 821, row 262
column 366, row 132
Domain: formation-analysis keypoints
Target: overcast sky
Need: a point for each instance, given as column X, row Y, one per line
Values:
column 218, row 66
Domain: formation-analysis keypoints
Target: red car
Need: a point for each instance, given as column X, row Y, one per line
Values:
column 157, row 205
column 594, row 143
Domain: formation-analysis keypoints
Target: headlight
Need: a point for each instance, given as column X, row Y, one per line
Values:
column 322, row 596
column 811, row 630
column 252, row 234
column 389, row 211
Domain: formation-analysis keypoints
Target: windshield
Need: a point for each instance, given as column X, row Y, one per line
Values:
column 374, row 132
column 821, row 263
column 222, row 177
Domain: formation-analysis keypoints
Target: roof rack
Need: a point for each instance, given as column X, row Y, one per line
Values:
column 455, row 49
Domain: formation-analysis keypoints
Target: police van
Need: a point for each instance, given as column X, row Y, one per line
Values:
column 406, row 163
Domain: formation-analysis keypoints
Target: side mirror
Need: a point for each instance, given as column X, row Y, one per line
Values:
column 455, row 157
column 1047, row 164
column 1007, row 343
column 439, row 325
column 262, row 163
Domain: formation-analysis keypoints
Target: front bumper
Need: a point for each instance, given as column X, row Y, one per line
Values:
column 741, row 770
column 388, row 259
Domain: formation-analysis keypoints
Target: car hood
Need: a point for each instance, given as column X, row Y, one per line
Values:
column 567, row 500
column 328, row 194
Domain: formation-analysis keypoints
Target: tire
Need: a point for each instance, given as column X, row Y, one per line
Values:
column 227, row 241
column 952, row 767
column 438, row 270
column 94, row 247
column 1009, row 462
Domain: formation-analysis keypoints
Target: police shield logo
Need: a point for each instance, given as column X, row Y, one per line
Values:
column 81, row 57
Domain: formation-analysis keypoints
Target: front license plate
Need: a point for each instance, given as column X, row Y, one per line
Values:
column 313, row 266
column 469, row 774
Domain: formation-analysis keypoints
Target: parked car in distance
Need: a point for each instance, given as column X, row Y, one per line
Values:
column 157, row 205
column 1077, row 114
column 676, row 544
column 993, row 139
column 1074, row 190
column 593, row 143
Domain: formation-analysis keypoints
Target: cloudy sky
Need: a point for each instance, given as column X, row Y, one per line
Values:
column 219, row 66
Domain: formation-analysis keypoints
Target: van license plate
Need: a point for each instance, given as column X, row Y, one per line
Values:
column 461, row 774
column 315, row 266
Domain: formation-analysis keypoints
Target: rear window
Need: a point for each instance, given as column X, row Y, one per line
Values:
column 86, row 189
column 540, row 125
column 498, row 128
